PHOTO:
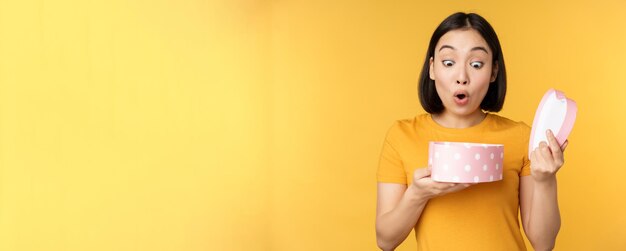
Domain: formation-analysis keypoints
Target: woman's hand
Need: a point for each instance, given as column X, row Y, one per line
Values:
column 428, row 188
column 546, row 159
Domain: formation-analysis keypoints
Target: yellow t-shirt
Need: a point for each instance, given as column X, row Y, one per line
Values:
column 481, row 217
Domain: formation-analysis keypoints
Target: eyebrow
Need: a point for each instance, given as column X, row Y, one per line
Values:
column 477, row 48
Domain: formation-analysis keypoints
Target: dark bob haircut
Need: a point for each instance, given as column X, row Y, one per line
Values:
column 494, row 99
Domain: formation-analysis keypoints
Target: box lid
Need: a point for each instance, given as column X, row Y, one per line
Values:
column 555, row 112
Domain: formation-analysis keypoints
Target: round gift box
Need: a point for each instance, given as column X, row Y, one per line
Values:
column 461, row 162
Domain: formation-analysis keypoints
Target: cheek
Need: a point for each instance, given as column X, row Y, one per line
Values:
column 481, row 83
column 441, row 78
column 482, row 78
column 482, row 75
column 441, row 75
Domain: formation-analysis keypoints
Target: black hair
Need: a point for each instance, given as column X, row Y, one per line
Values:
column 494, row 99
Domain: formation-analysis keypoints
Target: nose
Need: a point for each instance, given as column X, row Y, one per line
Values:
column 462, row 78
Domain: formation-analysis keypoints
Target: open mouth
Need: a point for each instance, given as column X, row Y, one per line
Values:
column 461, row 97
column 461, row 94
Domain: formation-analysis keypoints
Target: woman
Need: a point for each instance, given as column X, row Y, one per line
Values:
column 463, row 81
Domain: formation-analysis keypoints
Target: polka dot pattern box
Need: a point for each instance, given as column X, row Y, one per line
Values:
column 460, row 162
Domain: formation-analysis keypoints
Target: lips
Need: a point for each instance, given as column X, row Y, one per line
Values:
column 461, row 97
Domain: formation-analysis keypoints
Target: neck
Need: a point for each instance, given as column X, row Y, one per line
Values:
column 450, row 120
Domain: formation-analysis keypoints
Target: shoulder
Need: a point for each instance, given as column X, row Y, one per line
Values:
column 403, row 128
column 503, row 123
column 409, row 124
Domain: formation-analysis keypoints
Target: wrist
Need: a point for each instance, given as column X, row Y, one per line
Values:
column 541, row 177
column 546, row 183
column 416, row 194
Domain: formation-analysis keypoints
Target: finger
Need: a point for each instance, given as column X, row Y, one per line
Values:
column 421, row 173
column 543, row 145
column 441, row 185
column 555, row 147
column 533, row 157
column 545, row 152
column 564, row 145
column 458, row 187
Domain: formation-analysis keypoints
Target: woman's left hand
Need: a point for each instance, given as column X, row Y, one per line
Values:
column 546, row 159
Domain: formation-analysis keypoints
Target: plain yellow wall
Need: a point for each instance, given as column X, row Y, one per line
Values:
column 129, row 125
column 257, row 125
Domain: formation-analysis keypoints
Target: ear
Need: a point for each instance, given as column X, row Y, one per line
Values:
column 431, row 72
column 494, row 72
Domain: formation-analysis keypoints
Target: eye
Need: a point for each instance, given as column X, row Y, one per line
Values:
column 448, row 63
column 476, row 64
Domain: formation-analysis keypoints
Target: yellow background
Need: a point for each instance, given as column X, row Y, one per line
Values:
column 257, row 125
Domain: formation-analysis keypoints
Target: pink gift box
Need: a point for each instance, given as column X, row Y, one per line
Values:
column 461, row 162
column 555, row 112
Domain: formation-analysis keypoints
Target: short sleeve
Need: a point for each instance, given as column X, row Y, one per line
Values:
column 525, row 171
column 390, row 167
column 526, row 167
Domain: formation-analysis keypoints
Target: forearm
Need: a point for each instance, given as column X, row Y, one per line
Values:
column 545, row 219
column 394, row 226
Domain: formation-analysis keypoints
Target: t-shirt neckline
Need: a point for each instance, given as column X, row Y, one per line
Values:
column 474, row 128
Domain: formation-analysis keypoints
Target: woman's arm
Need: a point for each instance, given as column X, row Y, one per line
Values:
column 399, row 207
column 538, row 195
column 540, row 212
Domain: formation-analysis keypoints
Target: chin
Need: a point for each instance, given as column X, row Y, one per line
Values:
column 463, row 111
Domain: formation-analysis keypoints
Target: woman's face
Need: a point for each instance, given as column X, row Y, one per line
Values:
column 462, row 69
